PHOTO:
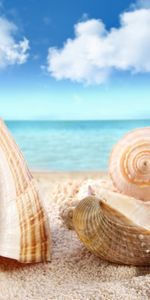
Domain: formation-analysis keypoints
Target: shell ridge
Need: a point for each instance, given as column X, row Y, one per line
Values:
column 34, row 235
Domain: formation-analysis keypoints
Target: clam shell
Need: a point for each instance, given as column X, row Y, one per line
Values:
column 71, row 194
column 129, row 165
column 115, row 227
column 24, row 229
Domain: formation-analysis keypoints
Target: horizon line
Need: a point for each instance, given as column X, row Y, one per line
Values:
column 74, row 120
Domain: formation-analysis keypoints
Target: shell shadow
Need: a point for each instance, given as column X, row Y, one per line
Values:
column 141, row 271
column 7, row 264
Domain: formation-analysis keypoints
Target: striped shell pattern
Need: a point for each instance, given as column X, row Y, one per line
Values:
column 116, row 224
column 24, row 229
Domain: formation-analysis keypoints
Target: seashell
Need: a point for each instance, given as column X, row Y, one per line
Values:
column 91, row 187
column 66, row 212
column 77, row 192
column 24, row 230
column 130, row 164
column 115, row 227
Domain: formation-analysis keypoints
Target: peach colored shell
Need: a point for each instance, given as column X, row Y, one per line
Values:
column 129, row 165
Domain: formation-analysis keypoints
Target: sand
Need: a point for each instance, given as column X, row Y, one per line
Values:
column 74, row 273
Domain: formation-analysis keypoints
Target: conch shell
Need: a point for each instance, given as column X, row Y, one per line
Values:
column 130, row 164
column 24, row 229
column 115, row 227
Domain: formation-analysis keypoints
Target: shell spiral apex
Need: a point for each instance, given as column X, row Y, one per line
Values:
column 24, row 229
column 129, row 165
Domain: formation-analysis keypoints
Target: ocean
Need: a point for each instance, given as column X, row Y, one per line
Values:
column 70, row 145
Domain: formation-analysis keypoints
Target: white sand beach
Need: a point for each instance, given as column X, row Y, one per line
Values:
column 74, row 273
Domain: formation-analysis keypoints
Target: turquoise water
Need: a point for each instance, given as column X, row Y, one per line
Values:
column 69, row 145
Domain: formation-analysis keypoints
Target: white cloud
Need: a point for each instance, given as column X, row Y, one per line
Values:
column 95, row 52
column 11, row 51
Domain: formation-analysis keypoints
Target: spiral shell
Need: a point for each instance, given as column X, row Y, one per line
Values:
column 129, row 165
column 115, row 227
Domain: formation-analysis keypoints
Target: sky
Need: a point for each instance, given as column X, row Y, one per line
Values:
column 83, row 59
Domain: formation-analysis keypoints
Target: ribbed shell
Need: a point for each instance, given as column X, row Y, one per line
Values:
column 119, row 234
column 129, row 165
column 24, row 229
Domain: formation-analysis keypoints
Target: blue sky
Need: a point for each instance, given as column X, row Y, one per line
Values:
column 74, row 59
